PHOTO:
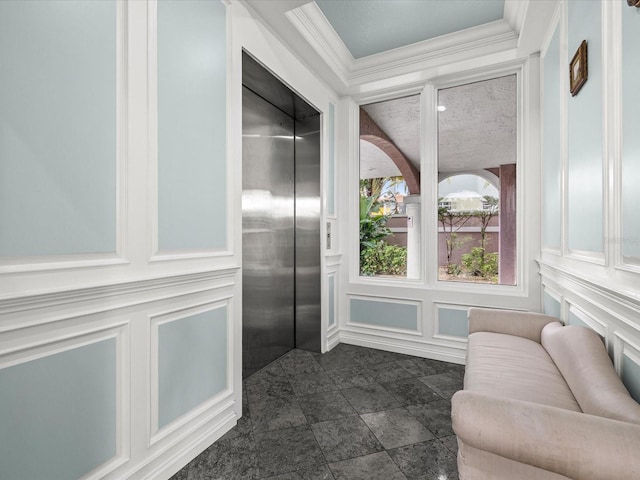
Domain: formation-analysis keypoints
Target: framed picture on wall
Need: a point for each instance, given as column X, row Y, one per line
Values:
column 578, row 69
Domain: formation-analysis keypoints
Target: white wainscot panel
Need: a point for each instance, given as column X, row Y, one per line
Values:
column 190, row 178
column 579, row 317
column 551, row 302
column 384, row 313
column 63, row 94
column 191, row 365
column 64, row 406
column 451, row 322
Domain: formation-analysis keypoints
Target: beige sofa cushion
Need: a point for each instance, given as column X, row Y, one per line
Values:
column 584, row 363
column 517, row 368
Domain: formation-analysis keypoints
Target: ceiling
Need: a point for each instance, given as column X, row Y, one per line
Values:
column 367, row 27
column 476, row 131
column 355, row 46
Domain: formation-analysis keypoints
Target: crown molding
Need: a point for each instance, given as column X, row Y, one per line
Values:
column 466, row 44
column 490, row 38
column 318, row 32
column 515, row 12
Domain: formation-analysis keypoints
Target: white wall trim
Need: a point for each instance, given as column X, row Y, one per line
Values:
column 59, row 343
column 385, row 299
column 514, row 13
column 492, row 37
column 418, row 348
column 27, row 311
column 41, row 263
column 155, row 254
column 161, row 317
column 435, row 330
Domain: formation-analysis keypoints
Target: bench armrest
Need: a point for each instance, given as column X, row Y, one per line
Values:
column 573, row 444
column 510, row 322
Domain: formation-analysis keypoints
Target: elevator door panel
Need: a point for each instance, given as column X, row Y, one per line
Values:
column 308, row 233
column 268, row 223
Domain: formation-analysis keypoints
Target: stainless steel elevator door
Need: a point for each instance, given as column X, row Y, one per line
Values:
column 307, row 164
column 268, row 236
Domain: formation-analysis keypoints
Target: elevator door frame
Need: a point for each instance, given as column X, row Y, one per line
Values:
column 306, row 270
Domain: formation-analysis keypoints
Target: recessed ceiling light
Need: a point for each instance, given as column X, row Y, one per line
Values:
column 441, row 108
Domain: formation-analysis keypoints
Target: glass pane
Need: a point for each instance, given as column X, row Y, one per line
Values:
column 390, row 188
column 477, row 182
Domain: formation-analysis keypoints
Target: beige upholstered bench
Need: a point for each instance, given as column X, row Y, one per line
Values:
column 542, row 401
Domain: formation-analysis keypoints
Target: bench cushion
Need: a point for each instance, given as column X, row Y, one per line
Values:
column 514, row 367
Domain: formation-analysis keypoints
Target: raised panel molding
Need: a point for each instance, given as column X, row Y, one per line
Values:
column 60, row 343
column 37, row 263
column 211, row 406
column 381, row 326
column 612, row 314
column 27, row 311
column 441, row 333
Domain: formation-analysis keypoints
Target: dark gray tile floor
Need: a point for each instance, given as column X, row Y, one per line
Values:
column 353, row 413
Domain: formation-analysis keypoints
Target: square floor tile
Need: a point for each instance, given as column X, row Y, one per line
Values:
column 263, row 389
column 377, row 466
column 320, row 407
column 445, row 384
column 426, row 461
column 300, row 365
column 350, row 377
column 370, row 398
column 370, row 355
column 233, row 459
column 336, row 359
column 396, row 428
column 287, row 450
column 451, row 442
column 419, row 367
column 386, row 372
column 296, row 352
column 312, row 383
column 411, row 391
column 347, row 437
column 320, row 472
column 436, row 416
column 276, row 413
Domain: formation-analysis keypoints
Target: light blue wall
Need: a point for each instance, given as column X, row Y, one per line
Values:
column 551, row 198
column 453, row 322
column 631, row 377
column 331, row 188
column 384, row 314
column 551, row 306
column 332, row 301
column 631, row 136
column 575, row 320
column 192, row 362
column 58, row 414
column 584, row 195
column 57, row 127
column 358, row 22
column 192, row 125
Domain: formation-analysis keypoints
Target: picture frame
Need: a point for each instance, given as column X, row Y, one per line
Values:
column 578, row 69
column 633, row 3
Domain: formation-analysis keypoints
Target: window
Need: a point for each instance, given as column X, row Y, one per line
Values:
column 477, row 141
column 390, row 188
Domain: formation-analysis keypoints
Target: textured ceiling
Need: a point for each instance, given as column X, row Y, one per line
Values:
column 477, row 130
column 400, row 120
column 374, row 163
column 367, row 27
